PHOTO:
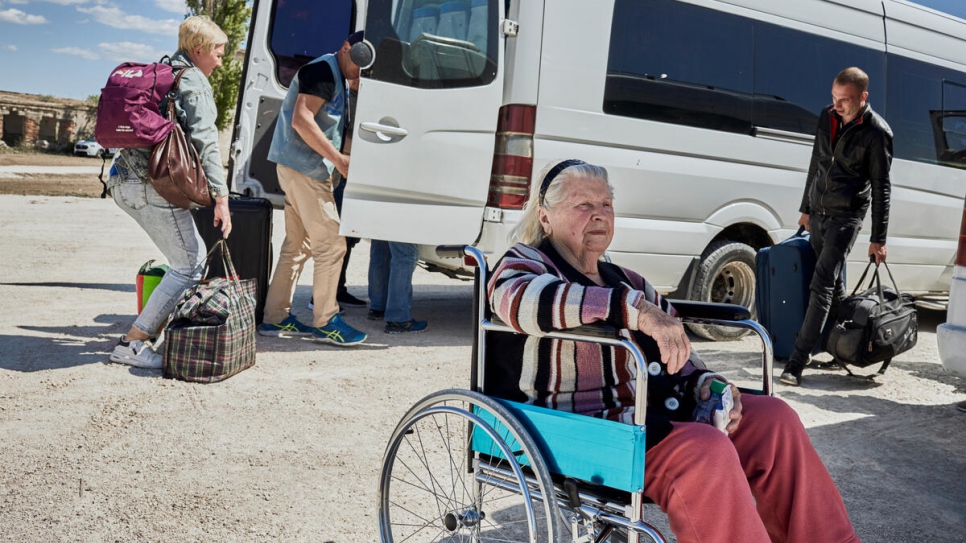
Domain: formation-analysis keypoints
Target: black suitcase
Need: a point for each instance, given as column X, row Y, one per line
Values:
column 250, row 241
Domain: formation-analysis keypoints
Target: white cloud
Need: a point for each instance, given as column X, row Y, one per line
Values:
column 78, row 52
column 127, row 51
column 66, row 2
column 10, row 48
column 174, row 6
column 18, row 17
column 115, row 17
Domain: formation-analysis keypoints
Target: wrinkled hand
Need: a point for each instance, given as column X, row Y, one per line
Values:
column 222, row 216
column 669, row 334
column 878, row 250
column 803, row 221
column 735, row 415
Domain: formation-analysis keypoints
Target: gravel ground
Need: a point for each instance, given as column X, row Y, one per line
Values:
column 290, row 450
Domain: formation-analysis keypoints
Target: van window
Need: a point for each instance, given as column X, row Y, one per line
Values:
column 915, row 106
column 679, row 63
column 434, row 44
column 303, row 30
column 794, row 71
column 952, row 143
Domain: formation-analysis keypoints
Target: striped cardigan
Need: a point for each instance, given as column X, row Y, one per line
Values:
column 535, row 291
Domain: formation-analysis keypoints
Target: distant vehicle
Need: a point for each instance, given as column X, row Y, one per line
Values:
column 89, row 147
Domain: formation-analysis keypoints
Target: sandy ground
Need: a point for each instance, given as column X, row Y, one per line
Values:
column 290, row 450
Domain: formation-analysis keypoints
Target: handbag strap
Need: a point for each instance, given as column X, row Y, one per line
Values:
column 875, row 280
column 226, row 262
column 858, row 285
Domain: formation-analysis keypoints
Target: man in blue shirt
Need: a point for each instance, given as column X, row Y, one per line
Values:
column 306, row 148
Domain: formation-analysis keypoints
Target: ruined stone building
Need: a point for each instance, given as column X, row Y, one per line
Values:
column 29, row 119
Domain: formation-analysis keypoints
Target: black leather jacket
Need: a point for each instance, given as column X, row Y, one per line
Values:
column 843, row 181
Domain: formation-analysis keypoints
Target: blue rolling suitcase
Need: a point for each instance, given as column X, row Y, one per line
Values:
column 783, row 273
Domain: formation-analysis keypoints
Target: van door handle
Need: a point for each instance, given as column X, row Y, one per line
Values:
column 392, row 131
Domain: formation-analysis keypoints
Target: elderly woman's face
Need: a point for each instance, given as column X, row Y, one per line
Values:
column 584, row 221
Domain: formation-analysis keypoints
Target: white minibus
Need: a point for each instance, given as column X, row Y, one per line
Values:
column 703, row 112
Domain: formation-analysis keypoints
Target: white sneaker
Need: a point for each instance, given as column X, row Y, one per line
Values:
column 136, row 353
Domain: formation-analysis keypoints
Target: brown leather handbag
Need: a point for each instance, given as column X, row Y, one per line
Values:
column 175, row 168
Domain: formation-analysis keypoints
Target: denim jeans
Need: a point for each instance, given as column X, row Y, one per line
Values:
column 832, row 239
column 391, row 266
column 173, row 231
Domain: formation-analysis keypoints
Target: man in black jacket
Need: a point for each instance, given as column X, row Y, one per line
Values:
column 849, row 170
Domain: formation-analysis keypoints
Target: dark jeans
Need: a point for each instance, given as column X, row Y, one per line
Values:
column 832, row 239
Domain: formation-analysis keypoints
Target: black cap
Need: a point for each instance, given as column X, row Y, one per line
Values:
column 355, row 37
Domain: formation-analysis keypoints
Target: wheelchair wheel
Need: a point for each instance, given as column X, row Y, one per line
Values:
column 435, row 487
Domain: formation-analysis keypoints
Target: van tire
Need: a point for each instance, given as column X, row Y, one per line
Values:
column 725, row 274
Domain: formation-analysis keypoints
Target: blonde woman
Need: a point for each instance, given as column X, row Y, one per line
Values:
column 201, row 45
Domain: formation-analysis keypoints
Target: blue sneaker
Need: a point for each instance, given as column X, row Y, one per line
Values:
column 338, row 332
column 290, row 327
column 411, row 326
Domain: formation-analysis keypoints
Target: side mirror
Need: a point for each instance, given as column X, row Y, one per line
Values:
column 363, row 54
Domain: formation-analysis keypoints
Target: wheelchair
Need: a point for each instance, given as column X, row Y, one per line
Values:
column 463, row 466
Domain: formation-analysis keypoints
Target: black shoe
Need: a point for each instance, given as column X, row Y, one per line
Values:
column 411, row 326
column 348, row 300
column 792, row 376
column 376, row 315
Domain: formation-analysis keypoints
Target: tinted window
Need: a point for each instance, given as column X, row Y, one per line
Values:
column 915, row 106
column 794, row 73
column 679, row 63
column 951, row 147
column 434, row 44
column 303, row 30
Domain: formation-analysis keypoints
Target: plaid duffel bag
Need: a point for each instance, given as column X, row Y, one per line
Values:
column 211, row 333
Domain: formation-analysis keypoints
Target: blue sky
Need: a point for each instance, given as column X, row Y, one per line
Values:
column 66, row 48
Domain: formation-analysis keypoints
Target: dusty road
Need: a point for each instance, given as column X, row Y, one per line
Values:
column 290, row 450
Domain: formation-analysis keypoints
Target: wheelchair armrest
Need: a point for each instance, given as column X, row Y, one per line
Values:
column 689, row 309
column 590, row 331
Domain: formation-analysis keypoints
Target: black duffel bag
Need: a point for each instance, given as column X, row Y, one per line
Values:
column 874, row 325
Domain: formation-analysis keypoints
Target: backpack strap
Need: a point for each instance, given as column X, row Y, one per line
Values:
column 100, row 177
column 173, row 93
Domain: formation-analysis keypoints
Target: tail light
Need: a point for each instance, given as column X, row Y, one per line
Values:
column 512, row 157
column 961, row 250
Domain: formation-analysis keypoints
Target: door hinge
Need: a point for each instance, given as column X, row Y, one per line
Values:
column 493, row 214
column 510, row 28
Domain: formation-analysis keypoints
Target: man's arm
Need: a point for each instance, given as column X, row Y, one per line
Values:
column 880, row 163
column 303, row 121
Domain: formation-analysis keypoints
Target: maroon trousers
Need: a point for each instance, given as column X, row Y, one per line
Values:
column 763, row 484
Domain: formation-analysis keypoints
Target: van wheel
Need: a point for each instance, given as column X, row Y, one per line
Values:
column 726, row 274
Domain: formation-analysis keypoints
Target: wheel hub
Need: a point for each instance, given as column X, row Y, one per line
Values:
column 468, row 518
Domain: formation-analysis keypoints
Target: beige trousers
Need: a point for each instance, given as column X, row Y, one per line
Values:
column 311, row 229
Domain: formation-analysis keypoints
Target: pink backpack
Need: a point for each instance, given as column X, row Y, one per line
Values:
column 127, row 112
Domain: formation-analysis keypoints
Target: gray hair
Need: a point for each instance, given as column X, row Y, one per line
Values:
column 529, row 231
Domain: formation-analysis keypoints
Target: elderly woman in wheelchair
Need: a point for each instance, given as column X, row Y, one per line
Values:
column 759, row 480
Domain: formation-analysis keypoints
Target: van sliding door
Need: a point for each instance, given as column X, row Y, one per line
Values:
column 424, row 128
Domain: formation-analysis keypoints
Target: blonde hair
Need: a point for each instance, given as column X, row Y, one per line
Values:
column 200, row 30
column 529, row 231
